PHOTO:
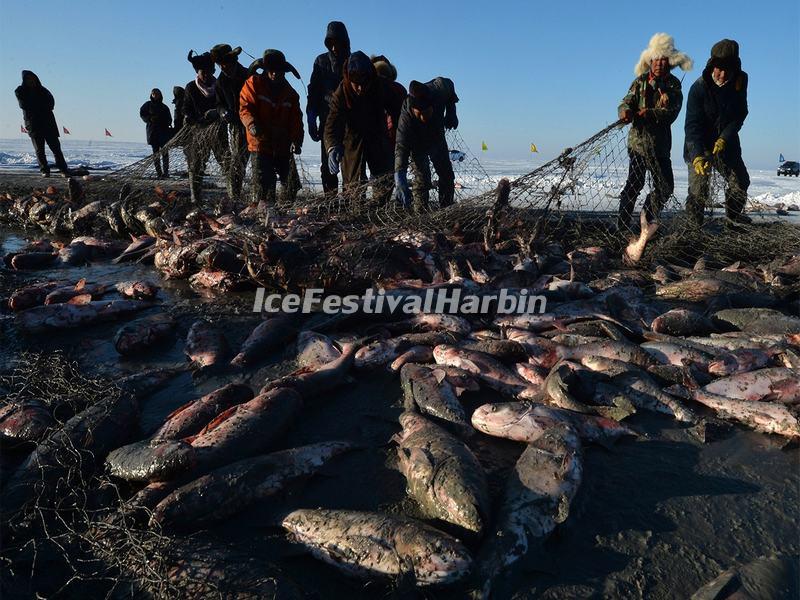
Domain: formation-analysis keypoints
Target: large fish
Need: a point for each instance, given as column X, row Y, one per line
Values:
column 682, row 322
column 205, row 345
column 24, row 422
column 777, row 384
column 310, row 382
column 137, row 290
column 742, row 360
column 315, row 349
column 443, row 475
column 137, row 248
column 697, row 289
column 486, row 368
column 229, row 489
column 624, row 351
column 758, row 321
column 140, row 335
column 368, row 545
column 416, row 354
column 33, row 260
column 267, row 337
column 541, row 351
column 150, row 460
column 67, row 293
column 538, row 495
column 381, row 352
column 527, row 422
column 429, row 391
column 65, row 316
column 668, row 353
column 31, row 295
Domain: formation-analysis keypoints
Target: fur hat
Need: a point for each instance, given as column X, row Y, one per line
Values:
column 223, row 52
column 384, row 68
column 662, row 46
column 725, row 55
column 275, row 60
column 200, row 61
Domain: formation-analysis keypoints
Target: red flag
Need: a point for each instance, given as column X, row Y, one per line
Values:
column 65, row 130
column 22, row 129
column 108, row 133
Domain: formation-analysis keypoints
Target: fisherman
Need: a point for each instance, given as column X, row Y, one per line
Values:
column 715, row 112
column 652, row 104
column 37, row 104
column 269, row 109
column 325, row 78
column 387, row 71
column 200, row 112
column 158, row 119
column 355, row 131
column 429, row 109
column 178, row 94
column 229, row 85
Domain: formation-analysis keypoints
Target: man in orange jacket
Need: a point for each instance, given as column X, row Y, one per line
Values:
column 269, row 109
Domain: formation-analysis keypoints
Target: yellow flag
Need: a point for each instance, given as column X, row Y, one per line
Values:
column 484, row 147
column 534, row 148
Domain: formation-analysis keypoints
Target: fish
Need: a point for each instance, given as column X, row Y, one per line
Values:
column 739, row 361
column 31, row 295
column 415, row 354
column 190, row 418
column 24, row 422
column 315, row 349
column 66, row 293
column 151, row 460
column 697, row 289
column 488, row 369
column 528, row 421
column 311, row 383
column 644, row 393
column 635, row 248
column 559, row 390
column 137, row 290
column 139, row 336
column 143, row 383
column 74, row 255
column 766, row 578
column 206, row 346
column 508, row 350
column 668, row 353
column 137, row 248
column 682, row 322
column 65, row 316
column 267, row 337
column 776, row 384
column 370, row 544
column 232, row 488
column 625, row 351
column 428, row 390
column 380, row 352
column 759, row 321
column 443, row 475
column 436, row 322
column 538, row 494
column 541, row 351
column 33, row 260
column 531, row 373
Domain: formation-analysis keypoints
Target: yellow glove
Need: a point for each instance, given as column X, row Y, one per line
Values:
column 701, row 165
column 719, row 146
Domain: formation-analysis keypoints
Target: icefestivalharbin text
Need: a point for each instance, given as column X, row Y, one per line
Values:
column 443, row 301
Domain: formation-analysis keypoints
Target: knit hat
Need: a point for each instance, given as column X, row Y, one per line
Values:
column 725, row 55
column 275, row 60
column 662, row 46
column 223, row 52
column 360, row 68
column 200, row 61
column 384, row 68
column 420, row 95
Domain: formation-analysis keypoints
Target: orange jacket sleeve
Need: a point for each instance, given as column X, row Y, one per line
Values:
column 247, row 103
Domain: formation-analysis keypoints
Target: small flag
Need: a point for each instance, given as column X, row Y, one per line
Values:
column 534, row 148
column 22, row 129
column 484, row 147
column 108, row 133
column 781, row 159
column 65, row 130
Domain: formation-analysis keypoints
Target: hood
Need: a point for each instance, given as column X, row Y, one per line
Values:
column 34, row 75
column 177, row 93
column 337, row 31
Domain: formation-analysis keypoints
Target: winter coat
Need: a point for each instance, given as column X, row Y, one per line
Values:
column 415, row 136
column 178, row 95
column 663, row 99
column 399, row 94
column 274, row 107
column 327, row 73
column 158, row 119
column 195, row 105
column 228, row 89
column 37, row 104
column 714, row 112
column 363, row 122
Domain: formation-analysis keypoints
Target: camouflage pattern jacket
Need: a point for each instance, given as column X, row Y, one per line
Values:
column 663, row 99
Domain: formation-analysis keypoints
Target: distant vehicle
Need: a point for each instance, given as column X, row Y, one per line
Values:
column 789, row 168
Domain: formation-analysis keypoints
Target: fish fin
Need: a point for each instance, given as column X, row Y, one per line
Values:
column 439, row 374
column 216, row 421
column 80, row 300
column 81, row 283
column 679, row 391
column 178, row 410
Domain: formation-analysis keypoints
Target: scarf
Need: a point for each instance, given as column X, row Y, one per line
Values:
column 207, row 90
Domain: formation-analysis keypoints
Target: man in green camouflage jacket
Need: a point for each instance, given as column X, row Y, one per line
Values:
column 651, row 106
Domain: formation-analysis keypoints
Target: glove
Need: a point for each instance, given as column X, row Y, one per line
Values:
column 450, row 118
column 642, row 114
column 701, row 165
column 297, row 148
column 254, row 130
column 226, row 115
column 626, row 116
column 719, row 146
column 402, row 193
column 334, row 158
column 313, row 130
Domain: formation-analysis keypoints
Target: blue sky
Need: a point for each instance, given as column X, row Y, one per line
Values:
column 549, row 73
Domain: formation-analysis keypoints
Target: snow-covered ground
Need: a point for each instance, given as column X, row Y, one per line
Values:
column 766, row 187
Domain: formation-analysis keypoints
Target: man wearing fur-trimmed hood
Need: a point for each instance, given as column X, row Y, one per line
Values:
column 651, row 105
column 715, row 112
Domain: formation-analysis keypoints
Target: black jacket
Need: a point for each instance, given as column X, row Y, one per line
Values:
column 158, row 119
column 195, row 105
column 714, row 112
column 178, row 94
column 327, row 73
column 415, row 136
column 228, row 90
column 37, row 104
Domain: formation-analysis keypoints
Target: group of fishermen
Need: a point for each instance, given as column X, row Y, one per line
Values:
column 364, row 119
column 715, row 112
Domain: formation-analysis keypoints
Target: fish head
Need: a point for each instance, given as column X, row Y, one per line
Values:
column 501, row 418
